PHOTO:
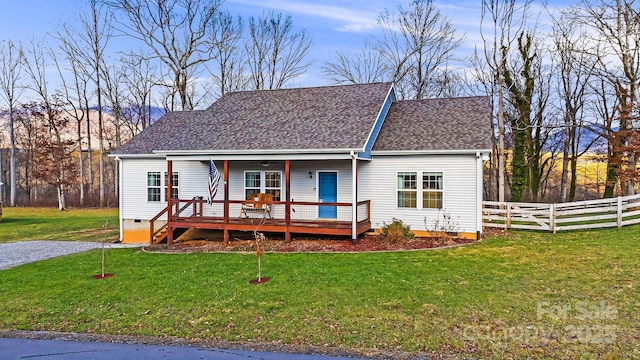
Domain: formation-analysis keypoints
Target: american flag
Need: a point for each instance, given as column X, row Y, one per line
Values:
column 214, row 179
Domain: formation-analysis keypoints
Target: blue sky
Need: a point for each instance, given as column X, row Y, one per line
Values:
column 333, row 24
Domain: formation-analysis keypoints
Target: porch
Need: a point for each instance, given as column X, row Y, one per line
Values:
column 327, row 215
column 293, row 217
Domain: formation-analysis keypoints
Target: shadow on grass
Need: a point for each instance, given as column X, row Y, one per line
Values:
column 15, row 220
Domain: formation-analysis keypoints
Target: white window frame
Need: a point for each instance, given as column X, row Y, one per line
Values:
column 163, row 186
column 159, row 186
column 175, row 188
column 440, row 191
column 262, row 188
column 407, row 190
column 420, row 189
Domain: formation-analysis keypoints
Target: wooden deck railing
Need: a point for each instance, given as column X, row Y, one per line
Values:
column 153, row 233
column 302, row 210
column 299, row 211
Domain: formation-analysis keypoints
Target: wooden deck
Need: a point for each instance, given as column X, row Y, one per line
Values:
column 193, row 214
column 327, row 227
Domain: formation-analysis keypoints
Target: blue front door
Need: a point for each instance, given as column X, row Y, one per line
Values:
column 327, row 192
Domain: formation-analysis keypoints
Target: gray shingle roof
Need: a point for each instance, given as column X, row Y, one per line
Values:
column 330, row 117
column 437, row 124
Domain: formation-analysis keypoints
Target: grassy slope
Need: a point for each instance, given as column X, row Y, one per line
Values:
column 50, row 224
column 481, row 299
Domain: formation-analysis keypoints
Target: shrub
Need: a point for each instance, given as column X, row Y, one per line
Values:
column 396, row 231
column 443, row 223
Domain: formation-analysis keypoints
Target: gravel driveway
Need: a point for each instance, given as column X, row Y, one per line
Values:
column 18, row 253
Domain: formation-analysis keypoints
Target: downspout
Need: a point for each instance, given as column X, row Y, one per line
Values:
column 120, row 197
column 478, row 195
column 354, row 197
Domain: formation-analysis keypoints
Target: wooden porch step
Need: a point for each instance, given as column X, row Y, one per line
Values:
column 160, row 237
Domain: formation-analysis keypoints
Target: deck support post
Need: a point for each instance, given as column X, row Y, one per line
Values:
column 287, row 206
column 226, row 201
column 354, row 199
column 169, row 207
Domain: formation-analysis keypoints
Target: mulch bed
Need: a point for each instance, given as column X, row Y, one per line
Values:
column 364, row 244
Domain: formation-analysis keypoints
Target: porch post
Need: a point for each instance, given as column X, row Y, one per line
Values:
column 479, row 188
column 287, row 205
column 169, row 207
column 354, row 192
column 226, row 202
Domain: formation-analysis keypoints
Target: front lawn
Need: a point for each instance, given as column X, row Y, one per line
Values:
column 32, row 223
column 530, row 294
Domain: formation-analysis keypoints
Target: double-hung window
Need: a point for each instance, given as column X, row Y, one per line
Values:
column 154, row 186
column 157, row 186
column 267, row 182
column 174, row 185
column 425, row 194
column 407, row 189
column 432, row 190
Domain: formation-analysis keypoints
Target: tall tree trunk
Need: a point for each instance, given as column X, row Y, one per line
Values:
column 91, row 183
column 97, row 54
column 62, row 203
column 564, row 179
column 574, row 178
column 501, row 156
column 12, row 159
column 80, row 162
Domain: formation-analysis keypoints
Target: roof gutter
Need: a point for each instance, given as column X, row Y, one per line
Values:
column 255, row 151
column 431, row 152
column 137, row 156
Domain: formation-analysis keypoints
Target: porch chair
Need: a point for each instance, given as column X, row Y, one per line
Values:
column 257, row 203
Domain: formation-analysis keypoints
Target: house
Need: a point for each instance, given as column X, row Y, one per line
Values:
column 336, row 160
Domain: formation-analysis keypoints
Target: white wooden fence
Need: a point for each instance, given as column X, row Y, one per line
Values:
column 591, row 214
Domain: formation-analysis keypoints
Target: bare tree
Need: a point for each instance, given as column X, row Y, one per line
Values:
column 366, row 66
column 53, row 155
column 574, row 73
column 116, row 96
column 417, row 43
column 276, row 53
column 11, row 62
column 502, row 19
column 229, row 70
column 175, row 32
column 527, row 86
column 72, row 94
column 141, row 77
column 25, row 140
column 615, row 39
column 89, row 42
column 48, row 109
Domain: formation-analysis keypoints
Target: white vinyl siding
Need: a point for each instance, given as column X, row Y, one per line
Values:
column 379, row 183
column 192, row 180
column 303, row 188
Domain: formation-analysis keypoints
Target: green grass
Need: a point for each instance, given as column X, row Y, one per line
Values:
column 28, row 223
column 500, row 298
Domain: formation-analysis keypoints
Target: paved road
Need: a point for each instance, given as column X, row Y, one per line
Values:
column 11, row 349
